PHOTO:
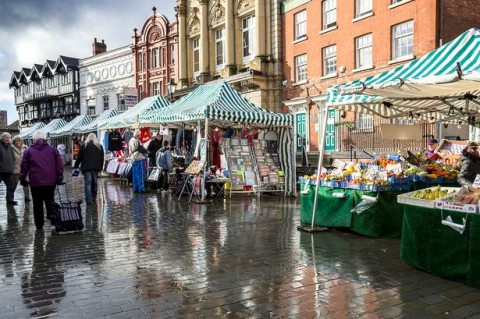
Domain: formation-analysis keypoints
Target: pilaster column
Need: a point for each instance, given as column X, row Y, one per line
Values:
column 204, row 49
column 260, row 28
column 182, row 44
column 229, row 33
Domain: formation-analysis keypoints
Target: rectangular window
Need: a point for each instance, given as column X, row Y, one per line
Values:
column 219, row 48
column 156, row 88
column 51, row 82
column 402, row 39
column 65, row 78
column 91, row 107
column 141, row 61
column 301, row 24
column 329, row 12
column 363, row 51
column 301, row 68
column 330, row 60
column 105, row 102
column 363, row 122
column 121, row 102
column 196, row 55
column 155, row 58
column 363, row 7
column 172, row 54
column 396, row 1
column 248, row 39
column 39, row 85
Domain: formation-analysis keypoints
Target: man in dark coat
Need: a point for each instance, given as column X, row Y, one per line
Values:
column 7, row 163
column 153, row 147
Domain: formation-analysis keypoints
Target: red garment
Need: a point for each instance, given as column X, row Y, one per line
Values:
column 145, row 135
column 215, row 144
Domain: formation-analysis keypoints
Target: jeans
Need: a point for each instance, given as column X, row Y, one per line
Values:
column 90, row 181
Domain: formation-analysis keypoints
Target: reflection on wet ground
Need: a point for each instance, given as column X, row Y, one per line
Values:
column 151, row 256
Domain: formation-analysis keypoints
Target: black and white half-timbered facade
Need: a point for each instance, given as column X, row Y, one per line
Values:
column 47, row 91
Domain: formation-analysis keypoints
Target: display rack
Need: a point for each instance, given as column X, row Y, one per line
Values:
column 243, row 175
column 267, row 162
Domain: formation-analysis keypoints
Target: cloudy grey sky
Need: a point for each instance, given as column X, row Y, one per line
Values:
column 32, row 31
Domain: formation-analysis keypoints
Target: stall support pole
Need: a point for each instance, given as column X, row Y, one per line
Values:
column 324, row 115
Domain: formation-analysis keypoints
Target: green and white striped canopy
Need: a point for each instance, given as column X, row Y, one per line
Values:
column 441, row 86
column 135, row 114
column 66, row 130
column 92, row 126
column 28, row 132
column 218, row 102
column 53, row 125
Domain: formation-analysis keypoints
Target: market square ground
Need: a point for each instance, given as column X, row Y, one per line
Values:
column 151, row 256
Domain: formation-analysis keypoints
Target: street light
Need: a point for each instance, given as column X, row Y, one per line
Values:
column 171, row 86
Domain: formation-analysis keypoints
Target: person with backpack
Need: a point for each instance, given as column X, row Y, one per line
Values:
column 165, row 163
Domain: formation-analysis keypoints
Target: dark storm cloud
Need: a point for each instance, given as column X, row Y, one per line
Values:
column 23, row 13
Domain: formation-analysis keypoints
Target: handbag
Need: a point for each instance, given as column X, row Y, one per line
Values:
column 154, row 174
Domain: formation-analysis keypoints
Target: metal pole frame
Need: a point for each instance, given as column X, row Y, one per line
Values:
column 324, row 114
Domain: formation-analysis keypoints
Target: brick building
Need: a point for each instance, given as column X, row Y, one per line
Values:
column 3, row 119
column 155, row 51
column 332, row 42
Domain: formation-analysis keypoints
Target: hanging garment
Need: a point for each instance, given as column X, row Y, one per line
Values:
column 115, row 141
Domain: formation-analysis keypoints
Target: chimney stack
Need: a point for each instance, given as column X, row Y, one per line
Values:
column 98, row 47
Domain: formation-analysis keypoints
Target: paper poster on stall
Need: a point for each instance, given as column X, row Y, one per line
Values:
column 396, row 168
column 338, row 164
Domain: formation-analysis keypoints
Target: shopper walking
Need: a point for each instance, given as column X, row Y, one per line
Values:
column 90, row 160
column 18, row 150
column 165, row 163
column 7, row 163
column 137, row 156
column 44, row 166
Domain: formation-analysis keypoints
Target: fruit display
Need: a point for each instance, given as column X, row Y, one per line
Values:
column 430, row 194
column 384, row 172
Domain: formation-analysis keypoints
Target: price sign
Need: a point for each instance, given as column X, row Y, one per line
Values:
column 396, row 168
column 338, row 164
column 382, row 176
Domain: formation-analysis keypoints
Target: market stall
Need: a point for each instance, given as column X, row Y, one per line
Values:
column 440, row 87
column 440, row 236
column 29, row 132
column 135, row 114
column 223, row 117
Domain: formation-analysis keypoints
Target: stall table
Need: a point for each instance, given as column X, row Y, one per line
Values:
column 383, row 219
column 438, row 249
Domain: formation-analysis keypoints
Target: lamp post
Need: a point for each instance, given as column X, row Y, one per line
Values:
column 171, row 86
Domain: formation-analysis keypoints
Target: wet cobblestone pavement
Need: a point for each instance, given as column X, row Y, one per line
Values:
column 151, row 256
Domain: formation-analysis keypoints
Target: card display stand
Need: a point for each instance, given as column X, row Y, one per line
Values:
column 254, row 169
column 241, row 165
column 271, row 177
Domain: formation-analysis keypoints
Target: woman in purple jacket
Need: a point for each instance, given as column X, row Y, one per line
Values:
column 43, row 165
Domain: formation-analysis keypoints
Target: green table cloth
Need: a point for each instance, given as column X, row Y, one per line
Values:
column 383, row 219
column 438, row 249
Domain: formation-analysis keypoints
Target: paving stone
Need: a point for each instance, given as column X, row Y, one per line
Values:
column 151, row 256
